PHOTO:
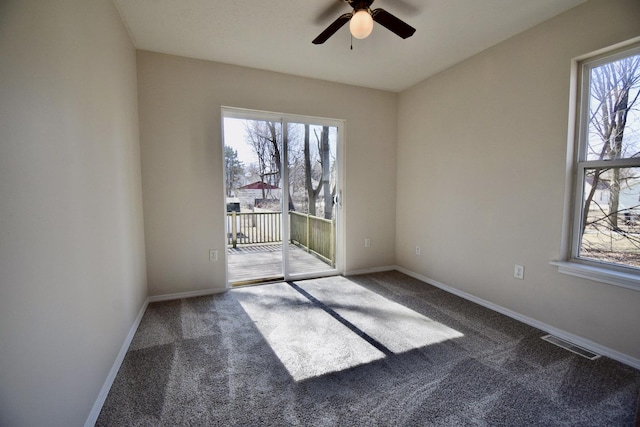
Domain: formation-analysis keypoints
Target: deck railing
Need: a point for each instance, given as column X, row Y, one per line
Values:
column 250, row 228
column 316, row 235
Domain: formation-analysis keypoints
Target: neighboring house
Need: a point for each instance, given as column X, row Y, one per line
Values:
column 252, row 195
column 601, row 195
column 629, row 200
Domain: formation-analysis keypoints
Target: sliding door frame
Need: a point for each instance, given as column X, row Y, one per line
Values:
column 284, row 120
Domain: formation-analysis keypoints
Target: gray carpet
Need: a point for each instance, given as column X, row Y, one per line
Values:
column 379, row 349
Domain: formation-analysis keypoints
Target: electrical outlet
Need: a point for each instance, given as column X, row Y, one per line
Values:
column 367, row 242
column 417, row 250
column 213, row 255
column 518, row 272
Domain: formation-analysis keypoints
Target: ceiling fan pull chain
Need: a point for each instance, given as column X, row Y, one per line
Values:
column 351, row 41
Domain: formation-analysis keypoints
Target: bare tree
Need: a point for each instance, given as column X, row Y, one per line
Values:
column 267, row 142
column 612, row 85
column 610, row 209
column 325, row 164
column 312, row 193
column 310, row 168
column 265, row 139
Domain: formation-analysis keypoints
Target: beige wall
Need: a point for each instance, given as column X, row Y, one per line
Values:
column 72, row 267
column 181, row 148
column 482, row 151
column 478, row 195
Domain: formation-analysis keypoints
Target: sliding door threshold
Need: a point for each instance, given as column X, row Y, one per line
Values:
column 258, row 281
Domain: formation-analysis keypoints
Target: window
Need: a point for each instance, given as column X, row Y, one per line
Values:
column 606, row 219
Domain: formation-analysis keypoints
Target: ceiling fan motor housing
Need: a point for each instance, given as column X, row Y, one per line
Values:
column 360, row 4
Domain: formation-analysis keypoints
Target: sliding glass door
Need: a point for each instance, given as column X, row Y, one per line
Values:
column 313, row 193
column 282, row 196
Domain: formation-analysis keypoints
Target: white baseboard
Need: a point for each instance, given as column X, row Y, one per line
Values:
column 370, row 270
column 582, row 342
column 568, row 336
column 104, row 391
column 181, row 295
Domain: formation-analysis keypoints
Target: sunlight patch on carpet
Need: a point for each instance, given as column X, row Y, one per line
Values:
column 395, row 326
column 332, row 324
column 307, row 340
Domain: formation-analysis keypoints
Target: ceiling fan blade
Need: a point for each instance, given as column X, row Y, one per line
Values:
column 405, row 7
column 392, row 23
column 331, row 29
column 332, row 10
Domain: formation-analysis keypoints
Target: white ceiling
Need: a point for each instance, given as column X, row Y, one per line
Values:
column 276, row 35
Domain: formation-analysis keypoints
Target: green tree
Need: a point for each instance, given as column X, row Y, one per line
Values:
column 234, row 169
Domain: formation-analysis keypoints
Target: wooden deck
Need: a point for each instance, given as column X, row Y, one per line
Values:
column 258, row 263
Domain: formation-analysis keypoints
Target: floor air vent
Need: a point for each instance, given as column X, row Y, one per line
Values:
column 571, row 347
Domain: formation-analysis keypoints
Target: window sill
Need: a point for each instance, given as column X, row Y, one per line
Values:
column 599, row 274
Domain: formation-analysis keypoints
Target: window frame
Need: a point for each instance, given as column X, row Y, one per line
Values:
column 573, row 264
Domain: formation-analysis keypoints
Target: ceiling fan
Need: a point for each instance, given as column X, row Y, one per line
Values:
column 361, row 22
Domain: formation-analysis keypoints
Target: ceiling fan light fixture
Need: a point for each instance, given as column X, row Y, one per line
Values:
column 361, row 24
